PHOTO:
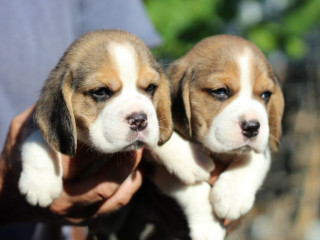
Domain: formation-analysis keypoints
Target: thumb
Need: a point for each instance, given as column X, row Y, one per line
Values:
column 124, row 193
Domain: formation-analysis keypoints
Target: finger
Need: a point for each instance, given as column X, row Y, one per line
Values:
column 75, row 166
column 138, row 156
column 90, row 192
column 20, row 119
column 124, row 193
column 226, row 222
column 219, row 168
column 17, row 124
column 84, row 195
column 104, row 183
column 96, row 188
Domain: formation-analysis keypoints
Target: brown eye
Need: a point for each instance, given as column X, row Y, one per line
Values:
column 265, row 96
column 220, row 94
column 101, row 94
column 151, row 89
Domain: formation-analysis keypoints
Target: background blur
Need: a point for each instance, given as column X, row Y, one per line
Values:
column 288, row 32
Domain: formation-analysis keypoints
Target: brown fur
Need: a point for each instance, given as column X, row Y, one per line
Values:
column 65, row 105
column 210, row 64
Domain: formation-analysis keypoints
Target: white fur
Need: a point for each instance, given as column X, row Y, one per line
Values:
column 178, row 153
column 41, row 176
column 245, row 75
column 125, row 59
column 225, row 133
column 110, row 132
column 233, row 194
column 194, row 201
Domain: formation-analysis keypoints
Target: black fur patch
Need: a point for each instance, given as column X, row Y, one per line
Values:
column 178, row 107
column 61, row 126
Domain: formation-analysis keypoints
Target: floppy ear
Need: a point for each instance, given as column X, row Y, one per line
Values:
column 275, row 117
column 164, row 110
column 54, row 114
column 180, row 76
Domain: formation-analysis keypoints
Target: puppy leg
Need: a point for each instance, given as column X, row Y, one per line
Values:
column 194, row 200
column 184, row 159
column 233, row 194
column 41, row 176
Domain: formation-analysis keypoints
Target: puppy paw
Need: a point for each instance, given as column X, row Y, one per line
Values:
column 196, row 166
column 192, row 173
column 207, row 231
column 40, row 188
column 231, row 200
column 184, row 159
column 41, row 177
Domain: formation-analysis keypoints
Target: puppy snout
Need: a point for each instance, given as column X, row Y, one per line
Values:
column 250, row 128
column 137, row 121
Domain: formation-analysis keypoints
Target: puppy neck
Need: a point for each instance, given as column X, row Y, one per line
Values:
column 226, row 158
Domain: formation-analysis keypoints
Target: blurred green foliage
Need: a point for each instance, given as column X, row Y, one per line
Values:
column 282, row 24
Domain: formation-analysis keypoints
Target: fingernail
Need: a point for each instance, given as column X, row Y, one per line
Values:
column 139, row 151
column 133, row 175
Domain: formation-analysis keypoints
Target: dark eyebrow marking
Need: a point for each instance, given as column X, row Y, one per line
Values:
column 193, row 75
column 274, row 77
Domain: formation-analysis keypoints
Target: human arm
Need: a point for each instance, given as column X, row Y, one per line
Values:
column 81, row 199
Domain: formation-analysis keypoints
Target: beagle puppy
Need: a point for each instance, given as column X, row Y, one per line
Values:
column 108, row 92
column 227, row 106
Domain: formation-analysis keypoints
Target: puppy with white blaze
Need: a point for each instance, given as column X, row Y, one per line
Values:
column 226, row 100
column 106, row 92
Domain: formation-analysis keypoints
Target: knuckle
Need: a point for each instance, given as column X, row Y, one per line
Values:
column 105, row 191
column 123, row 200
column 13, row 126
column 74, row 220
column 58, row 209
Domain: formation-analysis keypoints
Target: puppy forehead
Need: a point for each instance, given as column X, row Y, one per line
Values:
column 244, row 61
column 126, row 62
column 255, row 74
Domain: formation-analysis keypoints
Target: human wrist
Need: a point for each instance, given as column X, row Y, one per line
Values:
column 13, row 206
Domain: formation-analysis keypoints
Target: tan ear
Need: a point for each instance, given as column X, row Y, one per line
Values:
column 180, row 76
column 275, row 117
column 54, row 114
column 164, row 110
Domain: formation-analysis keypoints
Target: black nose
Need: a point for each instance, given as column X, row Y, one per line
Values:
column 250, row 129
column 137, row 121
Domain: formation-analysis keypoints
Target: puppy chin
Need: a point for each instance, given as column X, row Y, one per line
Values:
column 134, row 146
column 258, row 148
column 218, row 145
column 250, row 147
column 225, row 133
column 132, row 140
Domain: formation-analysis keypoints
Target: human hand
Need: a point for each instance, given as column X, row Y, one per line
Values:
column 82, row 198
column 107, row 190
column 219, row 168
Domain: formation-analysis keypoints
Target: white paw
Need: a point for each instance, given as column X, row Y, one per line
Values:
column 40, row 187
column 192, row 173
column 197, row 168
column 207, row 231
column 41, row 177
column 231, row 200
column 184, row 159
